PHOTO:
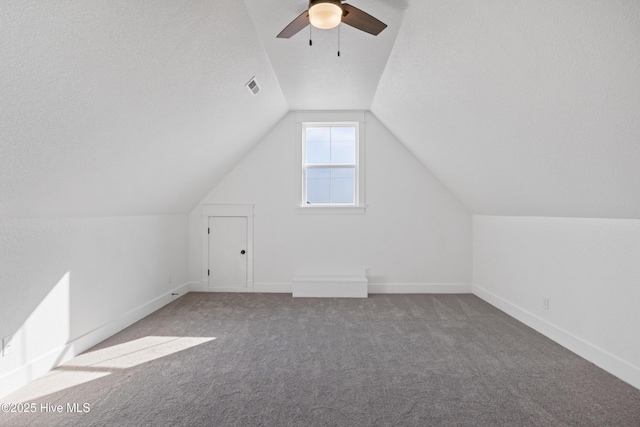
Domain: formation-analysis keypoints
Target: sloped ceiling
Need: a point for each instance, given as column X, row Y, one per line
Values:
column 314, row 77
column 118, row 107
column 522, row 107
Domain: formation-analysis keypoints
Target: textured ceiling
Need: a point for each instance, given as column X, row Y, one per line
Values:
column 522, row 107
column 116, row 107
column 314, row 77
column 126, row 107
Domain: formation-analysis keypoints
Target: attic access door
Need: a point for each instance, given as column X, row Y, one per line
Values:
column 227, row 251
column 228, row 248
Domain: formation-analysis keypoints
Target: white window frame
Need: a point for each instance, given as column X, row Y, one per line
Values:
column 316, row 119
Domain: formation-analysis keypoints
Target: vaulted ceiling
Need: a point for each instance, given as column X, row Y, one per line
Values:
column 118, row 107
column 522, row 107
column 314, row 77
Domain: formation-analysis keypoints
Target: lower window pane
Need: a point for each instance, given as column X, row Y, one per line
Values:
column 331, row 186
column 343, row 184
column 318, row 186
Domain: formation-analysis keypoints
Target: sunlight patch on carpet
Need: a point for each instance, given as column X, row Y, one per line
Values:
column 93, row 365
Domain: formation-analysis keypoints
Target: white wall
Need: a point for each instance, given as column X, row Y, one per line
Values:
column 413, row 235
column 589, row 269
column 67, row 284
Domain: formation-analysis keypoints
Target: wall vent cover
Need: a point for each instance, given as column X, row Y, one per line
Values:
column 253, row 86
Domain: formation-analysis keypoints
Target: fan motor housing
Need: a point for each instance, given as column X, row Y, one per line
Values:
column 336, row 2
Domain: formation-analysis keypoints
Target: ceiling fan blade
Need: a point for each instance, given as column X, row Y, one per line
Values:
column 296, row 25
column 361, row 20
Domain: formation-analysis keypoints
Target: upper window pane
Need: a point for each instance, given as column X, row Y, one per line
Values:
column 343, row 152
column 343, row 133
column 330, row 145
column 318, row 134
column 318, row 152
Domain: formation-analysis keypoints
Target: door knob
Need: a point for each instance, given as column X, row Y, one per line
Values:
column 242, row 252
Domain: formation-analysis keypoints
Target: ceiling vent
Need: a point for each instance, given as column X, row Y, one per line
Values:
column 253, row 86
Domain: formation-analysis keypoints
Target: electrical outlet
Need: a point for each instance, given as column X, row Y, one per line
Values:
column 367, row 271
column 7, row 346
column 545, row 302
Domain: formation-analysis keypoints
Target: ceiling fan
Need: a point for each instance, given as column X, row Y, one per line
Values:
column 326, row 14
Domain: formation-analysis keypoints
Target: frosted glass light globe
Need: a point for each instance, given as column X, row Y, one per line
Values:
column 325, row 15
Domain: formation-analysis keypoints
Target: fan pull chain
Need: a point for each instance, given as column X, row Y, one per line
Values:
column 339, row 25
column 310, row 42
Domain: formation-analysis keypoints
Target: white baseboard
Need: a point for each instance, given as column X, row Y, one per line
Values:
column 273, row 288
column 264, row 287
column 373, row 288
column 224, row 289
column 599, row 357
column 419, row 288
column 203, row 286
column 34, row 369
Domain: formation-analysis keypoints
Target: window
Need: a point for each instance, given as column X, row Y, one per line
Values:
column 330, row 167
column 330, row 163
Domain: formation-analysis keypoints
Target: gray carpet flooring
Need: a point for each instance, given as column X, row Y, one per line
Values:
column 389, row 360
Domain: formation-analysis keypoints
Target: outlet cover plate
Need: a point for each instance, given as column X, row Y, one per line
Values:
column 545, row 302
column 7, row 346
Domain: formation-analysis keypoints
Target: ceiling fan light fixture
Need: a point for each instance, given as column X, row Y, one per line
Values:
column 325, row 14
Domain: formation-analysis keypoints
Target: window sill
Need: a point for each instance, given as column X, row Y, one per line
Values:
column 330, row 210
